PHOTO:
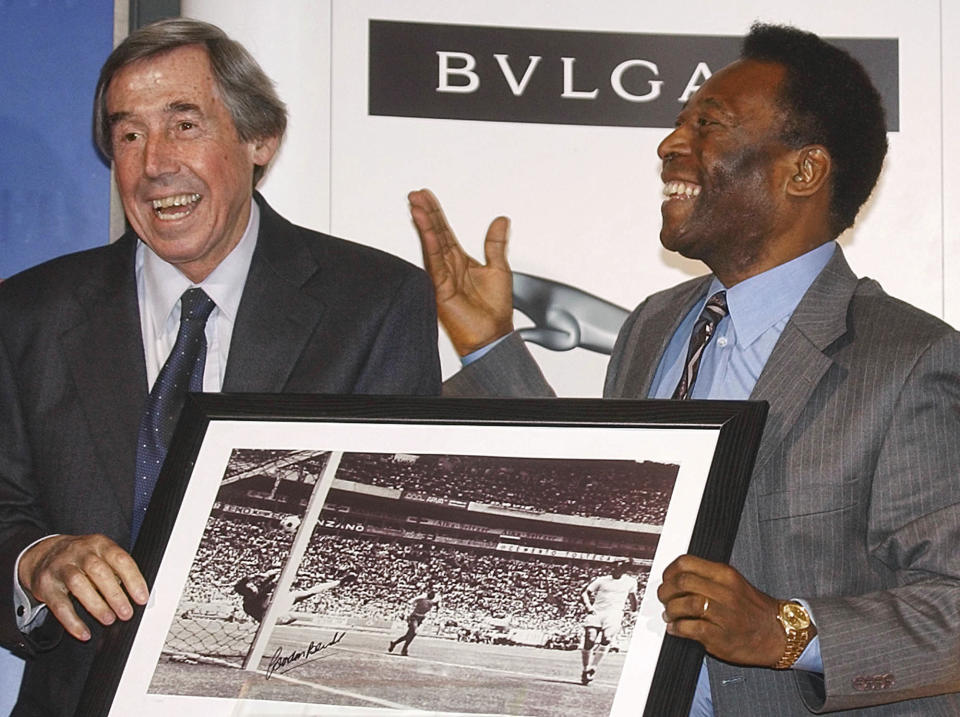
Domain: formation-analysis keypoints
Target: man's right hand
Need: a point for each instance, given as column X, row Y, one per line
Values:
column 93, row 569
column 474, row 300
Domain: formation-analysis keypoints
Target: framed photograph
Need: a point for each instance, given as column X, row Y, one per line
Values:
column 386, row 556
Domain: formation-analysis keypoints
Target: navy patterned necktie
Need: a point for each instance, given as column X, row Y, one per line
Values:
column 713, row 312
column 182, row 372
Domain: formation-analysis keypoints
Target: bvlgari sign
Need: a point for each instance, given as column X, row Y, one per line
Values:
column 562, row 76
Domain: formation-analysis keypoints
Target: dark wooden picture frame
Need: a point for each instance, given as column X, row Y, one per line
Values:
column 736, row 427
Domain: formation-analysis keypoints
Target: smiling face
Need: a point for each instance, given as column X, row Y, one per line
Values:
column 184, row 175
column 724, row 172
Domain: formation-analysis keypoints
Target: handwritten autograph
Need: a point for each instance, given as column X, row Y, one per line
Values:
column 298, row 657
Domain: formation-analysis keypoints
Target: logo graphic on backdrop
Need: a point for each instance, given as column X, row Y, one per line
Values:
column 506, row 74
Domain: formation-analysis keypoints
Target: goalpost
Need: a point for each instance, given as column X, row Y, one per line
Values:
column 212, row 628
column 301, row 540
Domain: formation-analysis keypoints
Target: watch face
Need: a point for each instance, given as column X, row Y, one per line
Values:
column 794, row 616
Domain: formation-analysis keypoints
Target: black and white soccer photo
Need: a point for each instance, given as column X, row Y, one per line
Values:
column 442, row 583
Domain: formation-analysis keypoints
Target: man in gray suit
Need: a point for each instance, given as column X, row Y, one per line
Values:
column 190, row 121
column 843, row 591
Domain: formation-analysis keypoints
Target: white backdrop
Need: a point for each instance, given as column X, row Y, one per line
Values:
column 584, row 200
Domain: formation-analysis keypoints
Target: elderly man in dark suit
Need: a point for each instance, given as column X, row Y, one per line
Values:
column 843, row 591
column 190, row 121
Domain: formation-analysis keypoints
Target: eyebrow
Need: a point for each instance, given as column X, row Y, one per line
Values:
column 172, row 108
column 715, row 105
column 181, row 106
column 116, row 117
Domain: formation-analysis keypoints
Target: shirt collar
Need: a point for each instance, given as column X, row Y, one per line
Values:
column 164, row 284
column 757, row 303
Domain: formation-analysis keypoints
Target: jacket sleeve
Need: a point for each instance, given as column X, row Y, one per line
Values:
column 903, row 642
column 508, row 370
column 20, row 522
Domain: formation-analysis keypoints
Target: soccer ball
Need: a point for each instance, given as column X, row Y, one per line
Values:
column 290, row 523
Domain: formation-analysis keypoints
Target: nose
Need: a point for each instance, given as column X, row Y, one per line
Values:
column 158, row 156
column 674, row 144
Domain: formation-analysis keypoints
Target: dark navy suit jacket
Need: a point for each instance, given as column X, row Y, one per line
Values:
column 317, row 315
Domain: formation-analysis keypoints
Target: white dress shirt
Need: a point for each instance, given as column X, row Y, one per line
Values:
column 159, row 287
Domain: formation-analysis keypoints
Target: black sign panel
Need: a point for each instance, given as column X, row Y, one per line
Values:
column 506, row 74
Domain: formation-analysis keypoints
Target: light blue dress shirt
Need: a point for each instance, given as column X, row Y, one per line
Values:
column 759, row 309
column 11, row 670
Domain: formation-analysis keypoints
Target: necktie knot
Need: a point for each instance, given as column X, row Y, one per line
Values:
column 716, row 308
column 195, row 304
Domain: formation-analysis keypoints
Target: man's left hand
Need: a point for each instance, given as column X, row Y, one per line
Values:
column 713, row 604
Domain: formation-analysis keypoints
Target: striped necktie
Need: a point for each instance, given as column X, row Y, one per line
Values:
column 713, row 312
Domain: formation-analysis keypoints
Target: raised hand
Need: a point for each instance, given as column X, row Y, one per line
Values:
column 474, row 300
column 93, row 569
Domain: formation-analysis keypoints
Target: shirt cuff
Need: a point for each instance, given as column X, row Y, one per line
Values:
column 480, row 352
column 810, row 659
column 29, row 613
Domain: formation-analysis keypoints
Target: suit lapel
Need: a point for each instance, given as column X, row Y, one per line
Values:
column 800, row 359
column 666, row 311
column 277, row 316
column 104, row 352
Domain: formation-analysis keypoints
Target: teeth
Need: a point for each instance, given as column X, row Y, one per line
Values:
column 681, row 190
column 179, row 200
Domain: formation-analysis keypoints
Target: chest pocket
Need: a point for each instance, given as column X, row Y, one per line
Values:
column 812, row 500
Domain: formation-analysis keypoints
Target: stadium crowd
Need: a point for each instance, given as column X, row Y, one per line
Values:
column 637, row 492
column 481, row 591
column 478, row 589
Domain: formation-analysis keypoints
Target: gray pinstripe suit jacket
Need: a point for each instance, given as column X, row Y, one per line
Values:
column 854, row 503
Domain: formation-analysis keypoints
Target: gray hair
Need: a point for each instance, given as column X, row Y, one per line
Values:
column 247, row 92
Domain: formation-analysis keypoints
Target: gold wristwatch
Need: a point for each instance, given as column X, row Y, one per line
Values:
column 795, row 621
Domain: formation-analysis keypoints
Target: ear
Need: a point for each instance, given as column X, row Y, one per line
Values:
column 263, row 149
column 811, row 171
